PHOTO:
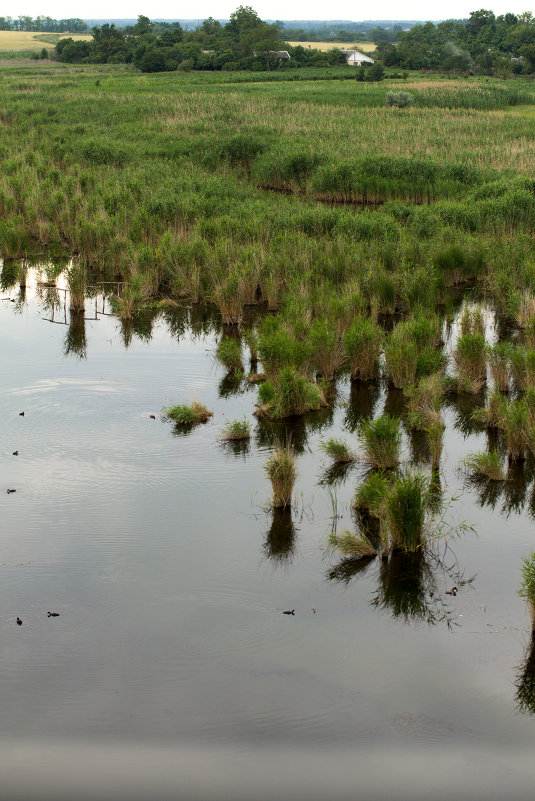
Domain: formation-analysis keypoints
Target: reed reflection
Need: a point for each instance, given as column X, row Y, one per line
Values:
column 75, row 342
column 281, row 539
column 525, row 680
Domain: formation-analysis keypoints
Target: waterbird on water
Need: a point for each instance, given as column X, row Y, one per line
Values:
column 21, row 414
column 152, row 416
column 10, row 491
column 52, row 614
column 289, row 612
column 15, row 453
column 19, row 622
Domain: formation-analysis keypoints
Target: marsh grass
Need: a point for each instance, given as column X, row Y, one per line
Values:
column 381, row 441
column 338, row 451
column 229, row 353
column 485, row 464
column 527, row 587
column 372, row 493
column 281, row 468
column 499, row 357
column 188, row 415
column 407, row 509
column 362, row 344
column 235, row 430
column 470, row 356
column 289, row 395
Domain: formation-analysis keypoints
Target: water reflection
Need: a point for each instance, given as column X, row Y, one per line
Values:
column 410, row 586
column 232, row 384
column 525, row 680
column 294, row 429
column 511, row 494
column 363, row 398
column 281, row 538
column 75, row 342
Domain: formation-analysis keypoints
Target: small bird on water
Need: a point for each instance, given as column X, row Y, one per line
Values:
column 289, row 612
column 10, row 491
column 15, row 453
column 21, row 414
column 52, row 614
column 152, row 416
column 453, row 591
column 19, row 622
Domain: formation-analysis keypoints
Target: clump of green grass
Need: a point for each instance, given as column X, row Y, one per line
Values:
column 235, row 430
column 401, row 356
column 514, row 424
column 518, row 367
column 281, row 468
column 355, row 545
column 251, row 340
column 424, row 399
column 527, row 587
column 407, row 507
column 471, row 357
column 381, row 440
column 485, row 464
column 372, row 493
column 362, row 344
column 76, row 282
column 338, row 451
column 188, row 415
column 492, row 415
column 229, row 353
column 499, row 364
column 472, row 321
column 289, row 395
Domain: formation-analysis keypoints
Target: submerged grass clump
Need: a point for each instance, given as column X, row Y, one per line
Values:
column 188, row 415
column 281, row 468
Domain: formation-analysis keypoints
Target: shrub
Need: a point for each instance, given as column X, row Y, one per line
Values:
column 408, row 503
column 399, row 99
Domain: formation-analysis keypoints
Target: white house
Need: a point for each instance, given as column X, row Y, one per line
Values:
column 356, row 58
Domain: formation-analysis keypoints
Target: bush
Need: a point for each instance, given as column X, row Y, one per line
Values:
column 399, row 99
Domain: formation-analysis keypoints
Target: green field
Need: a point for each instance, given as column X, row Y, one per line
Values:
column 305, row 194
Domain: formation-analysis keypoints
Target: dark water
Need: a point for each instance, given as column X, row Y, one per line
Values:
column 171, row 671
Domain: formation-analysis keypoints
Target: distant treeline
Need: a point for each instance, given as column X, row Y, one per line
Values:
column 43, row 25
column 244, row 43
column 485, row 43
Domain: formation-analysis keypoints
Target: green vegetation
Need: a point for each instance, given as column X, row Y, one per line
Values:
column 282, row 472
column 381, row 441
column 338, row 451
column 235, row 430
column 405, row 505
column 229, row 354
column 188, row 415
column 489, row 465
column 527, row 587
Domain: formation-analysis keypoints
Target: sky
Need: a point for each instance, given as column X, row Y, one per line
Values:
column 267, row 9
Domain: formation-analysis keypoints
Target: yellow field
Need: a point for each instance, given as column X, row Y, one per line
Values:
column 24, row 40
column 364, row 47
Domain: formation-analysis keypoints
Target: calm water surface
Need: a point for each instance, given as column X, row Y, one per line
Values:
column 171, row 671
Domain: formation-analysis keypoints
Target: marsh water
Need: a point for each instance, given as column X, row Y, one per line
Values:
column 171, row 670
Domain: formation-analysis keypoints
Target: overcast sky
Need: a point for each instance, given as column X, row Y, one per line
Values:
column 267, row 9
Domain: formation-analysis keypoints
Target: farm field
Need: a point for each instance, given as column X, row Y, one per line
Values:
column 268, row 406
column 28, row 40
column 364, row 47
